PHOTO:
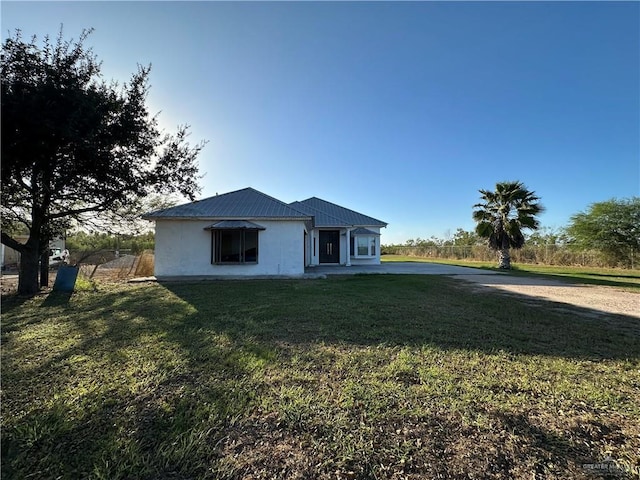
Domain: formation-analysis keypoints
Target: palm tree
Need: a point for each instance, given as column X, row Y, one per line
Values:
column 503, row 214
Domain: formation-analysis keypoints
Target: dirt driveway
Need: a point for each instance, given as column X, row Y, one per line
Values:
column 597, row 299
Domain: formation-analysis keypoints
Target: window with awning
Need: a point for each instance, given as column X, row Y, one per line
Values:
column 234, row 242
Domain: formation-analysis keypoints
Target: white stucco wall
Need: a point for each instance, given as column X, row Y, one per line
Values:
column 183, row 248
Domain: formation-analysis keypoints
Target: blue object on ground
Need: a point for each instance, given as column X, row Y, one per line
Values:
column 66, row 278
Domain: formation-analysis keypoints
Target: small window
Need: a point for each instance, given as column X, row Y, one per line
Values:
column 363, row 246
column 235, row 246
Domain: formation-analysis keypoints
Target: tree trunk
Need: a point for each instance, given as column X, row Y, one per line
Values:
column 28, row 278
column 504, row 259
column 44, row 268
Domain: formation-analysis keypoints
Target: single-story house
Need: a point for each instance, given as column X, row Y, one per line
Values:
column 247, row 232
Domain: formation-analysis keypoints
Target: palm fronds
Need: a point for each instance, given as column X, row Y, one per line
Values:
column 503, row 214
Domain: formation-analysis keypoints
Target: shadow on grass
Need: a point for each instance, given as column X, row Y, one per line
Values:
column 584, row 278
column 111, row 427
column 52, row 299
column 161, row 433
column 13, row 300
column 57, row 299
column 198, row 348
column 407, row 310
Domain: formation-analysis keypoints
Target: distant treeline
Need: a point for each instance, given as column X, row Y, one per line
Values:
column 96, row 242
column 545, row 247
column 536, row 254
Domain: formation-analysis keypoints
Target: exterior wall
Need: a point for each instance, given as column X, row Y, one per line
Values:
column 183, row 248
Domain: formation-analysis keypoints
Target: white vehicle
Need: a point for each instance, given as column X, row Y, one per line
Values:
column 55, row 256
column 58, row 256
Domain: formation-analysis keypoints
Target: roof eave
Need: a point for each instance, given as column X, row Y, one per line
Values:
column 214, row 218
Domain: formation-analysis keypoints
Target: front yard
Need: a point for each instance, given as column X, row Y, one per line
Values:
column 351, row 377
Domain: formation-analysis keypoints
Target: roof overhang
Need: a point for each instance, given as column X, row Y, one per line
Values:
column 219, row 218
column 234, row 225
column 363, row 231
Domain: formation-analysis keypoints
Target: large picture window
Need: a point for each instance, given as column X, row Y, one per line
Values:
column 235, row 246
column 363, row 246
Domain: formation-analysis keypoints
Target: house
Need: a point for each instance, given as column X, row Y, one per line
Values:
column 248, row 233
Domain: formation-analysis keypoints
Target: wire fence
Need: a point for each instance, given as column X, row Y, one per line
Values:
column 535, row 254
column 104, row 265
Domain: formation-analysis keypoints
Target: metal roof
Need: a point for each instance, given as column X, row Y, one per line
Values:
column 320, row 219
column 329, row 214
column 246, row 203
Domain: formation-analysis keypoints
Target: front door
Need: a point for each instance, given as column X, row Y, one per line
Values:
column 329, row 246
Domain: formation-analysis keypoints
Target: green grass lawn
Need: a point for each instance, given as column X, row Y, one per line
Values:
column 366, row 376
column 612, row 277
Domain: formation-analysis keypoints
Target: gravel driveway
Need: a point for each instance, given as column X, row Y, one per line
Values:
column 599, row 300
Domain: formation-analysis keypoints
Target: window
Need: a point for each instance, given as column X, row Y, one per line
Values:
column 363, row 246
column 235, row 246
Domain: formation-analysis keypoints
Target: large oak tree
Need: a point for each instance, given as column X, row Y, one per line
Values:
column 612, row 227
column 74, row 144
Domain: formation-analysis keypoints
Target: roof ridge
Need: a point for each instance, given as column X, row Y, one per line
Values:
column 225, row 194
column 340, row 207
column 270, row 197
column 323, row 212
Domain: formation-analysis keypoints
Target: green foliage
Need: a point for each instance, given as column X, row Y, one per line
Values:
column 460, row 238
column 84, row 284
column 503, row 214
column 465, row 238
column 612, row 227
column 74, row 145
column 420, row 242
column 547, row 236
column 87, row 242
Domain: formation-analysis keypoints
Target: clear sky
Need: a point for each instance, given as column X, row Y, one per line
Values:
column 401, row 111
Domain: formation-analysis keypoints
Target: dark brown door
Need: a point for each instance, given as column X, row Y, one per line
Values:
column 329, row 246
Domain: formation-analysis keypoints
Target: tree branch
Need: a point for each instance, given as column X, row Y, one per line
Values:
column 12, row 243
column 78, row 211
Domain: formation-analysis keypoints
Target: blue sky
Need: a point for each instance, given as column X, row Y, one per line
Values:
column 401, row 111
